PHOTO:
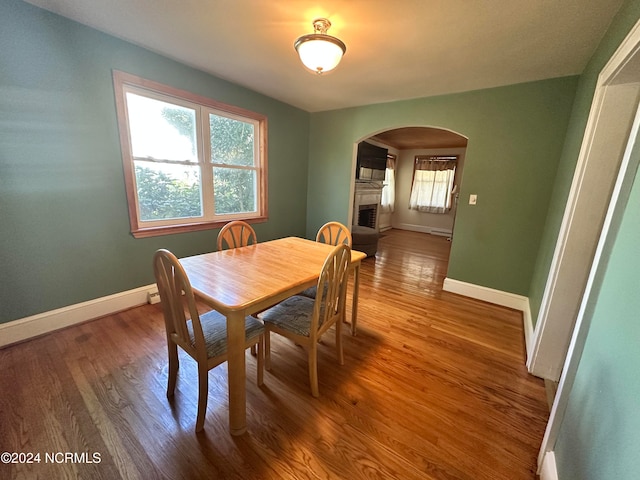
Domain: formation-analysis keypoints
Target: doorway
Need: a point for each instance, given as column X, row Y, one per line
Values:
column 601, row 155
column 404, row 144
column 601, row 184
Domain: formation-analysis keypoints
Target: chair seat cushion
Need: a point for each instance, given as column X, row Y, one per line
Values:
column 310, row 292
column 214, row 330
column 293, row 314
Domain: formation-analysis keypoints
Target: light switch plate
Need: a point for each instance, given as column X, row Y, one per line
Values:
column 473, row 199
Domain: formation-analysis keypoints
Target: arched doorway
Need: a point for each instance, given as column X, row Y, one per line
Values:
column 404, row 145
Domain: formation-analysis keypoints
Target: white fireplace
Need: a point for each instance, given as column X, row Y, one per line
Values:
column 366, row 203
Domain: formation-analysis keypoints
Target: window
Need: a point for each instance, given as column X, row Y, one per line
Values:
column 190, row 163
column 432, row 187
column 388, row 199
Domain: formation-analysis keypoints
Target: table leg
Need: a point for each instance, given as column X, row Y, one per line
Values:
column 354, row 306
column 237, row 373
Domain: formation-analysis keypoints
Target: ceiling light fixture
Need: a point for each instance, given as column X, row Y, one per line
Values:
column 318, row 51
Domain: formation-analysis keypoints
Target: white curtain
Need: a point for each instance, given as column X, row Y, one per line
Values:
column 388, row 200
column 432, row 186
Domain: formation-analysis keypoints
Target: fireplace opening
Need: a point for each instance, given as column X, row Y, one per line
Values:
column 367, row 215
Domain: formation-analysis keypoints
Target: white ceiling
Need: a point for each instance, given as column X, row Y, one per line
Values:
column 396, row 49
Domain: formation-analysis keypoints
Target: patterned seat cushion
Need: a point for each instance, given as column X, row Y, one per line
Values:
column 293, row 314
column 214, row 329
column 310, row 292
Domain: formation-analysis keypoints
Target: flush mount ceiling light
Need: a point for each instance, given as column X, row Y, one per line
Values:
column 318, row 51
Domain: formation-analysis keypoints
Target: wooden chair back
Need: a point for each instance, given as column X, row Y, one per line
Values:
column 329, row 306
column 334, row 233
column 177, row 297
column 236, row 234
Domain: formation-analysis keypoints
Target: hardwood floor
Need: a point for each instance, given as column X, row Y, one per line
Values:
column 434, row 386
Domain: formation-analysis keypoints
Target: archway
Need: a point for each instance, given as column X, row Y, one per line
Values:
column 404, row 144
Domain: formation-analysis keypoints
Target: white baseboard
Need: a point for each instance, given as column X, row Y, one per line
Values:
column 29, row 327
column 443, row 232
column 549, row 470
column 498, row 297
column 505, row 299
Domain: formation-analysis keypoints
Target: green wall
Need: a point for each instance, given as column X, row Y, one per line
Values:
column 600, row 433
column 516, row 134
column 599, row 437
column 622, row 23
column 63, row 212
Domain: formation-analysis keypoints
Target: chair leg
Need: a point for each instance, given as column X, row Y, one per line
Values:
column 203, row 394
column 313, row 369
column 173, row 368
column 253, row 347
column 267, row 349
column 339, row 349
column 260, row 360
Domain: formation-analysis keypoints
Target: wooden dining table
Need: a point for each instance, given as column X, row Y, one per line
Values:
column 246, row 280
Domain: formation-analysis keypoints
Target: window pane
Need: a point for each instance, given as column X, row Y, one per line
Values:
column 232, row 141
column 431, row 191
column 161, row 130
column 234, row 190
column 168, row 191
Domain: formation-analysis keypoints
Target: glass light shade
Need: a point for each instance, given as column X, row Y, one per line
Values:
column 320, row 52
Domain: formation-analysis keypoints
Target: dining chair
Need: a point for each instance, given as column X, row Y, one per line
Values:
column 331, row 233
column 236, row 234
column 202, row 337
column 304, row 320
column 334, row 233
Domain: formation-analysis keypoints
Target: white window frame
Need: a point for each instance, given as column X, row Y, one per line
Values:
column 124, row 83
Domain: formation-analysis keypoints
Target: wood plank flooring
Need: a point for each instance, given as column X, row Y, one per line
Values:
column 434, row 386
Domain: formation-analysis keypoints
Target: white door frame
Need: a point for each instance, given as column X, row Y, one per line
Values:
column 618, row 81
column 605, row 139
